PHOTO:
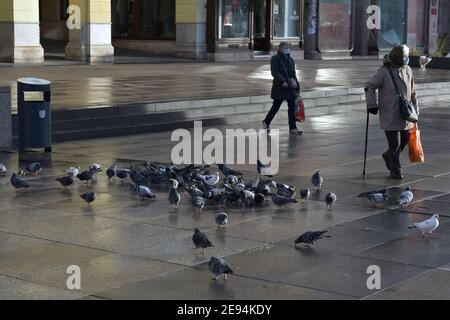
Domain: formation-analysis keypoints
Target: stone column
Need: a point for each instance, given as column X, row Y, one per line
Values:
column 91, row 43
column 191, row 29
column 19, row 32
column 5, row 118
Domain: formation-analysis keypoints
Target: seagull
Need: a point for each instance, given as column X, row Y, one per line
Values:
column 111, row 172
column 73, row 171
column 33, row 168
column 17, row 182
column 227, row 171
column 305, row 194
column 89, row 197
column 317, row 181
column 428, row 226
column 263, row 170
column 281, row 201
column 310, row 238
column 219, row 267
column 406, row 197
column 145, row 193
column 174, row 196
column 222, row 219
column 2, row 169
column 330, row 199
column 200, row 240
column 66, row 181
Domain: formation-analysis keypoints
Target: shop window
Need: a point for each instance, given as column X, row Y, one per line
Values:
column 335, row 25
column 143, row 19
column 393, row 24
column 233, row 18
column 286, row 16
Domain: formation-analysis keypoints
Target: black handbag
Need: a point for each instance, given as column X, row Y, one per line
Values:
column 407, row 109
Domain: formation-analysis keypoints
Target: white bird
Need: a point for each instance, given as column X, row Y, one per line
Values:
column 2, row 169
column 406, row 197
column 428, row 226
column 72, row 171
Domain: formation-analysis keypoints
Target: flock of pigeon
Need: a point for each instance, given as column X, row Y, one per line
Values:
column 204, row 186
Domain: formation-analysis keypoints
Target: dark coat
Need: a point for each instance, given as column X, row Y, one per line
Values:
column 283, row 68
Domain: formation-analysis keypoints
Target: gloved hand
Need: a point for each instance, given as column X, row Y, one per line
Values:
column 373, row 111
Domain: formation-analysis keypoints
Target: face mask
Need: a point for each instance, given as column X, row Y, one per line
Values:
column 287, row 51
column 405, row 61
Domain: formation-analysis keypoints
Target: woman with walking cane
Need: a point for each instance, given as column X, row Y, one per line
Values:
column 397, row 104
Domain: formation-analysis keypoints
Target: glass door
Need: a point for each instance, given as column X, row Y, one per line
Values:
column 261, row 25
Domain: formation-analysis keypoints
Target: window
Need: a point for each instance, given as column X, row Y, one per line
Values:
column 286, row 16
column 335, row 25
column 393, row 23
column 233, row 18
column 143, row 19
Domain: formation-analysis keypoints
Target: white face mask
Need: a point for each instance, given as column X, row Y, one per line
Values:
column 287, row 51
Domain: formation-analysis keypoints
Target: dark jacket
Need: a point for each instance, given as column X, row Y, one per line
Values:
column 283, row 68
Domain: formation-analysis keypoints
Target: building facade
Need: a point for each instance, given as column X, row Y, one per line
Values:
column 221, row 30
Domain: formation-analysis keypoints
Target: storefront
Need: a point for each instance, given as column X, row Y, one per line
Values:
column 248, row 29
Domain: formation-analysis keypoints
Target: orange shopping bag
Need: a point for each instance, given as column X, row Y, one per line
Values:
column 300, row 114
column 416, row 154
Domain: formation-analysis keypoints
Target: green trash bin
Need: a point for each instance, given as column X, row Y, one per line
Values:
column 34, row 114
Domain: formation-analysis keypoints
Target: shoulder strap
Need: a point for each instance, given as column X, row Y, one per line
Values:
column 286, row 73
column 393, row 80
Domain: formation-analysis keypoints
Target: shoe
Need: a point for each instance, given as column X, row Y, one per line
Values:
column 266, row 126
column 396, row 176
column 296, row 132
column 387, row 160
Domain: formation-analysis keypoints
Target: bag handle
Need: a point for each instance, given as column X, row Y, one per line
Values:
column 393, row 80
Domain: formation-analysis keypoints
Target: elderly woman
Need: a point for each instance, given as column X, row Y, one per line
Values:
column 285, row 87
column 391, row 121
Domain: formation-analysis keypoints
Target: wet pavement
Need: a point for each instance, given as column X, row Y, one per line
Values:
column 82, row 86
column 131, row 249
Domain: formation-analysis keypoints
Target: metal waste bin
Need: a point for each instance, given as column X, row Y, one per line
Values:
column 34, row 114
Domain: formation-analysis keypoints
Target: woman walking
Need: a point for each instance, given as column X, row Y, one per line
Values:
column 391, row 121
column 285, row 87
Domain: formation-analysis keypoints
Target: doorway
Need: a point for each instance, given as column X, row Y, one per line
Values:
column 261, row 25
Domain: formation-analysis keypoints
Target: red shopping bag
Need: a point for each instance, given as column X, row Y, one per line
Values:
column 416, row 154
column 300, row 114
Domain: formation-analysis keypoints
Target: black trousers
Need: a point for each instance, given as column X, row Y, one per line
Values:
column 292, row 108
column 397, row 141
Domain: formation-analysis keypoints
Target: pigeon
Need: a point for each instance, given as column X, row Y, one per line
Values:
column 17, row 182
column 247, row 198
column 138, row 178
column 72, row 171
column 88, row 175
column 305, row 194
column 406, row 197
column 201, row 240
column 122, row 174
column 95, row 167
column 33, row 168
column 379, row 198
column 227, row 171
column 260, row 199
column 330, row 199
column 317, row 181
column 211, row 179
column 219, row 267
column 66, row 181
column 428, row 226
column 281, row 201
column 263, row 170
column 174, row 196
column 89, row 197
column 2, row 169
column 145, row 193
column 232, row 180
column 222, row 219
column 285, row 190
column 310, row 237
column 198, row 203
column 111, row 172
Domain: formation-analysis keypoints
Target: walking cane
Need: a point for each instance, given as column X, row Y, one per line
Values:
column 365, row 148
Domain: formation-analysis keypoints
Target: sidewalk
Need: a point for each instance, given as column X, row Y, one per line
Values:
column 83, row 86
column 128, row 249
